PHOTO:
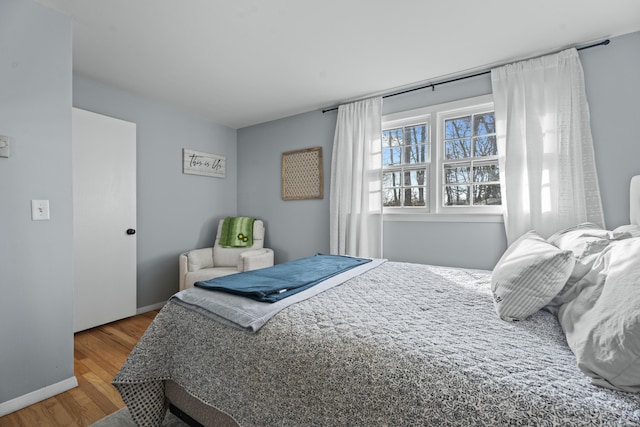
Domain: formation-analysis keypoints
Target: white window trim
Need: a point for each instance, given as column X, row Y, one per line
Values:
column 441, row 217
column 435, row 114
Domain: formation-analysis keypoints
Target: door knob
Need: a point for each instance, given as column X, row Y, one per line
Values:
column 131, row 231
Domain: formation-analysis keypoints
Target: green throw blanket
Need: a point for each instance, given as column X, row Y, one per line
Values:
column 237, row 232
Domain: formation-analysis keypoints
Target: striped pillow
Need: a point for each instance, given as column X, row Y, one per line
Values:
column 530, row 273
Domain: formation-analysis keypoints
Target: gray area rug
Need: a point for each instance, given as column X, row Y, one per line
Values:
column 122, row 418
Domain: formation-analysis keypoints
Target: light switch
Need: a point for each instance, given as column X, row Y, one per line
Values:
column 39, row 210
column 4, row 146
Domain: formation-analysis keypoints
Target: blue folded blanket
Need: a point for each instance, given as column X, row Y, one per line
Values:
column 272, row 284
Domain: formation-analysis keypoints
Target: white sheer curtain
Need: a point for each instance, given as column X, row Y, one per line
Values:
column 545, row 148
column 356, row 168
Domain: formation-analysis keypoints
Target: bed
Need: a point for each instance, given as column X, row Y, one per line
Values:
column 398, row 344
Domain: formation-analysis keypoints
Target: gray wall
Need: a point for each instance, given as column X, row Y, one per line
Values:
column 36, row 257
column 294, row 228
column 176, row 212
column 299, row 228
column 612, row 80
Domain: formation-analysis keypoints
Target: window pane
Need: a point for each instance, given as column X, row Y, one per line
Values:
column 457, row 149
column 487, row 195
column 415, row 178
column 456, row 195
column 391, row 179
column 391, row 197
column 391, row 138
column 417, row 134
column 486, row 173
column 456, row 174
column 414, row 196
column 391, row 156
column 486, row 146
column 416, row 153
column 484, row 124
column 457, row 128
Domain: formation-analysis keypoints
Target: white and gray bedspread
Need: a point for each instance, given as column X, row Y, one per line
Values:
column 403, row 344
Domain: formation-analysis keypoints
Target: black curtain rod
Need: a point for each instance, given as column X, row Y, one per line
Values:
column 433, row 85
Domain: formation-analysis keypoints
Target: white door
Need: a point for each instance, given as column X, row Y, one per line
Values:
column 104, row 219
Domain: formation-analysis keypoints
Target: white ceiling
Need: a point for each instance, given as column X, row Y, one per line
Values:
column 243, row 62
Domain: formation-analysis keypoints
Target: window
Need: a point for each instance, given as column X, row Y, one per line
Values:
column 470, row 163
column 441, row 159
column 405, row 158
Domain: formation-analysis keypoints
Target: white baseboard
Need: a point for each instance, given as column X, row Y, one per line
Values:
column 151, row 307
column 37, row 396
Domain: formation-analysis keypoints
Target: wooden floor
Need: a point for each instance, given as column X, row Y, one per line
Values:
column 98, row 355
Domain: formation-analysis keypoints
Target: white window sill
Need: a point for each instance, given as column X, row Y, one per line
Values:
column 442, row 217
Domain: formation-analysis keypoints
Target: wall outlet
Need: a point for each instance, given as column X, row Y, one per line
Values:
column 4, row 146
column 39, row 210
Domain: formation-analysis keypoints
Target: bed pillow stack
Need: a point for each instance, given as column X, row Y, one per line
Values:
column 590, row 278
column 529, row 275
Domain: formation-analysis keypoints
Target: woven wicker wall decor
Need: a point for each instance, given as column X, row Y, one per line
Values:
column 302, row 174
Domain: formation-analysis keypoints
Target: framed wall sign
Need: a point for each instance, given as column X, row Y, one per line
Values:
column 199, row 163
column 302, row 174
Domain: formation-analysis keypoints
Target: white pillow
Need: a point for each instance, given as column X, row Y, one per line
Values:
column 530, row 273
column 632, row 229
column 586, row 241
column 583, row 226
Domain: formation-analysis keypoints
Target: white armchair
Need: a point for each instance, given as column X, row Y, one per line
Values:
column 207, row 263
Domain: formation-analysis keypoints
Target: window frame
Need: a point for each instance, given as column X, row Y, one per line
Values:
column 435, row 115
column 403, row 168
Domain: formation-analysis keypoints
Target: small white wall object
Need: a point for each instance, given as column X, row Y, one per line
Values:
column 40, row 210
column 4, row 146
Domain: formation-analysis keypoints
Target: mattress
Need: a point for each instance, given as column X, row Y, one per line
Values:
column 402, row 344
